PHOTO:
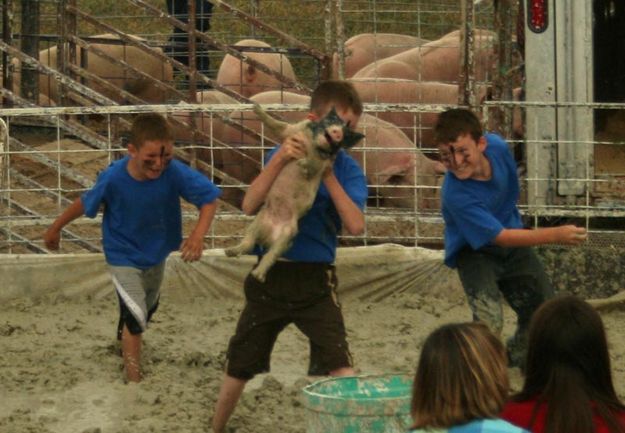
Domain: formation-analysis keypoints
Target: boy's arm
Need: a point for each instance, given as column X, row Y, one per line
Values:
column 352, row 217
column 292, row 148
column 52, row 236
column 567, row 234
column 192, row 247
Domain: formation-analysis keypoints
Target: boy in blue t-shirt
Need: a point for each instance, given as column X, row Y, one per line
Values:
column 484, row 236
column 142, row 224
column 301, row 287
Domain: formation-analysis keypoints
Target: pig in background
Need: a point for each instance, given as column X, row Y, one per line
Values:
column 416, row 126
column 398, row 174
column 366, row 48
column 245, row 79
column 393, row 166
column 419, row 126
column 438, row 60
column 107, row 70
column 203, row 129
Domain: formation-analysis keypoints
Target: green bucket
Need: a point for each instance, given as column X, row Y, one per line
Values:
column 359, row 404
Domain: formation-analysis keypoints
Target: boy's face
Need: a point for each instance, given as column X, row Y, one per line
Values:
column 150, row 160
column 464, row 157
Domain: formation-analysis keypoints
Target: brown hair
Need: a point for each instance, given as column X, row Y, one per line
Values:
column 341, row 94
column 149, row 127
column 568, row 367
column 462, row 376
column 454, row 123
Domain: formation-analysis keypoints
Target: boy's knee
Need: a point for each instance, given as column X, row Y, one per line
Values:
column 526, row 293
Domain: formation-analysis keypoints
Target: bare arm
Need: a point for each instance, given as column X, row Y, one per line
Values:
column 52, row 236
column 292, row 148
column 352, row 217
column 567, row 234
column 192, row 247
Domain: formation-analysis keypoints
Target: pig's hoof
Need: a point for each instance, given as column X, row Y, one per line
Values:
column 232, row 252
column 260, row 276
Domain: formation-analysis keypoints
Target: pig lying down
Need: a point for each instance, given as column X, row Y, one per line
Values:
column 294, row 189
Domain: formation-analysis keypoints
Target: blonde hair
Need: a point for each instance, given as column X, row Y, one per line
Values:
column 462, row 376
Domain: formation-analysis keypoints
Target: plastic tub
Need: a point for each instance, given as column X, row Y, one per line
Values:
column 359, row 404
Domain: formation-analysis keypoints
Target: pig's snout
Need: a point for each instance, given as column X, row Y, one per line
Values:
column 334, row 134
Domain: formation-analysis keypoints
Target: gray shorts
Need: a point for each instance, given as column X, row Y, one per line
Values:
column 138, row 291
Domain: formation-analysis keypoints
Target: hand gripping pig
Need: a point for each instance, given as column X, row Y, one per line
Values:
column 294, row 189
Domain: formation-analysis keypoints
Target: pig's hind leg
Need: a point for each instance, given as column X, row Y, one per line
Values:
column 247, row 243
column 281, row 243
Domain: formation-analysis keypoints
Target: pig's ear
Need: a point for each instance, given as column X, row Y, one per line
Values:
column 351, row 138
column 332, row 118
column 250, row 74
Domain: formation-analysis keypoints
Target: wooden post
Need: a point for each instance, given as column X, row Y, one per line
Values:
column 192, row 49
column 7, row 25
column 466, row 94
column 340, row 41
column 29, row 87
column 502, row 80
column 61, row 21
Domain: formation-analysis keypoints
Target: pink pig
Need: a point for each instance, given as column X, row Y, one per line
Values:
column 366, row 48
column 437, row 60
column 111, row 72
column 245, row 79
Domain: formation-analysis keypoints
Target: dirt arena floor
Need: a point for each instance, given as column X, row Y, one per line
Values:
column 60, row 369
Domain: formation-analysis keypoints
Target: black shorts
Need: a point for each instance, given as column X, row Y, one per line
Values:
column 300, row 293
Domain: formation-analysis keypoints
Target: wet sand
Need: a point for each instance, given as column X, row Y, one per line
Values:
column 60, row 369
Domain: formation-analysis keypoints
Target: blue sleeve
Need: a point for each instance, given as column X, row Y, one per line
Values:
column 477, row 224
column 270, row 154
column 194, row 187
column 93, row 198
column 354, row 182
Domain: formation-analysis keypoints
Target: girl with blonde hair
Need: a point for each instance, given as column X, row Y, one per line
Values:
column 461, row 382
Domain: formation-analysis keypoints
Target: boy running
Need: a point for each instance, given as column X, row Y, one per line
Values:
column 142, row 224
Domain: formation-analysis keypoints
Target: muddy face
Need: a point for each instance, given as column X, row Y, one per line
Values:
column 150, row 160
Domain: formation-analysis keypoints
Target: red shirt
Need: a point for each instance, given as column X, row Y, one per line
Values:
column 520, row 414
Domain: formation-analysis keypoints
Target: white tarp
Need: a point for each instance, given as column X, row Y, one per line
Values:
column 365, row 273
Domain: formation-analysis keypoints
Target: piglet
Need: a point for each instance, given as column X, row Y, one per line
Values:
column 294, row 189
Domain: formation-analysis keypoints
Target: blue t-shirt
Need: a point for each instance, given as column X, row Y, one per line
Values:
column 478, row 426
column 316, row 239
column 476, row 211
column 142, row 221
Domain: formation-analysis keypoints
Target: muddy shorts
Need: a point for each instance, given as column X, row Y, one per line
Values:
column 300, row 293
column 517, row 275
column 138, row 291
